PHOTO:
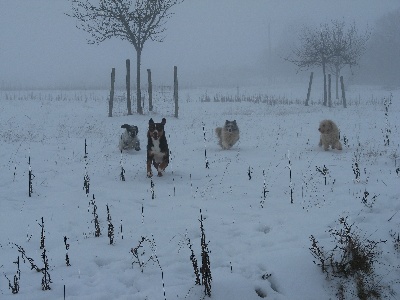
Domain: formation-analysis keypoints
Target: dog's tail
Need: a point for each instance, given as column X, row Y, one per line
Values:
column 218, row 131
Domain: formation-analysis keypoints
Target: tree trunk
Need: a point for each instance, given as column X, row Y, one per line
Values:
column 138, row 92
column 128, row 86
column 176, row 91
column 111, row 101
column 309, row 88
column 343, row 92
column 329, row 90
column 337, row 73
column 324, row 71
column 150, row 89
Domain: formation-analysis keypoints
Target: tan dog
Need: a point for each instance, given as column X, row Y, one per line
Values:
column 227, row 135
column 329, row 135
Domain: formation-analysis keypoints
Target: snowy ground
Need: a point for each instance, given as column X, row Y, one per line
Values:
column 255, row 243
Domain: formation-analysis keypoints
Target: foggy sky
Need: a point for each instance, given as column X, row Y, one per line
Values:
column 211, row 41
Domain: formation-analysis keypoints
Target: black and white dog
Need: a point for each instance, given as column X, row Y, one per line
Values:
column 129, row 138
column 157, row 148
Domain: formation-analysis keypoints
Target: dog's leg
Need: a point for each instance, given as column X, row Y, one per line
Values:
column 149, row 173
column 161, row 167
column 218, row 131
column 137, row 145
column 338, row 145
column 225, row 145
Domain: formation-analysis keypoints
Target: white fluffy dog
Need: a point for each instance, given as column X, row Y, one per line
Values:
column 329, row 135
column 227, row 135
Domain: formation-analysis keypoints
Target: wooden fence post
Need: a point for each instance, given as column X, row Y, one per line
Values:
column 343, row 92
column 111, row 100
column 325, row 92
column 176, row 90
column 329, row 90
column 309, row 88
column 128, row 86
column 150, row 89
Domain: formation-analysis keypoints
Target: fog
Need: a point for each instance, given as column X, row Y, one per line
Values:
column 212, row 42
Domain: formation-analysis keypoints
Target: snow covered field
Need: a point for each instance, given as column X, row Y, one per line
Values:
column 259, row 246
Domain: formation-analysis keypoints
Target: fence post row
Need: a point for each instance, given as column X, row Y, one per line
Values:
column 150, row 90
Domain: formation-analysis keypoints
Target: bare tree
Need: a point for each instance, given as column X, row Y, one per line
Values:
column 348, row 46
column 331, row 45
column 136, row 21
column 313, row 51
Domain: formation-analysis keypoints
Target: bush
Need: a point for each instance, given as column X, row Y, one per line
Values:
column 350, row 264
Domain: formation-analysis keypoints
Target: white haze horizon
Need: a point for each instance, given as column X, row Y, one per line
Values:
column 218, row 43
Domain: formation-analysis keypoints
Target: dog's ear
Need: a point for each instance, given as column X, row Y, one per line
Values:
column 163, row 121
column 151, row 121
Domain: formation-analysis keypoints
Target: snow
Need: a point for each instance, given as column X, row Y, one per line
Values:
column 254, row 243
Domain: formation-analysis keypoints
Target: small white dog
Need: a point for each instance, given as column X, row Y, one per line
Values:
column 329, row 135
column 129, row 138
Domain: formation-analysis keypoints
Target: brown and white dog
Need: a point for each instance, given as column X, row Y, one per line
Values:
column 329, row 135
column 157, row 147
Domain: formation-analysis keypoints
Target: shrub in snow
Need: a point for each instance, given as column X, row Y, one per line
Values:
column 324, row 172
column 66, row 254
column 205, row 270
column 110, row 231
column 387, row 131
column 396, row 240
column 264, row 192
column 46, row 279
column 142, row 257
column 14, row 287
column 351, row 263
column 86, row 179
column 30, row 178
column 42, row 236
column 26, row 258
column 95, row 220
column 290, row 178
column 122, row 174
column 368, row 201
